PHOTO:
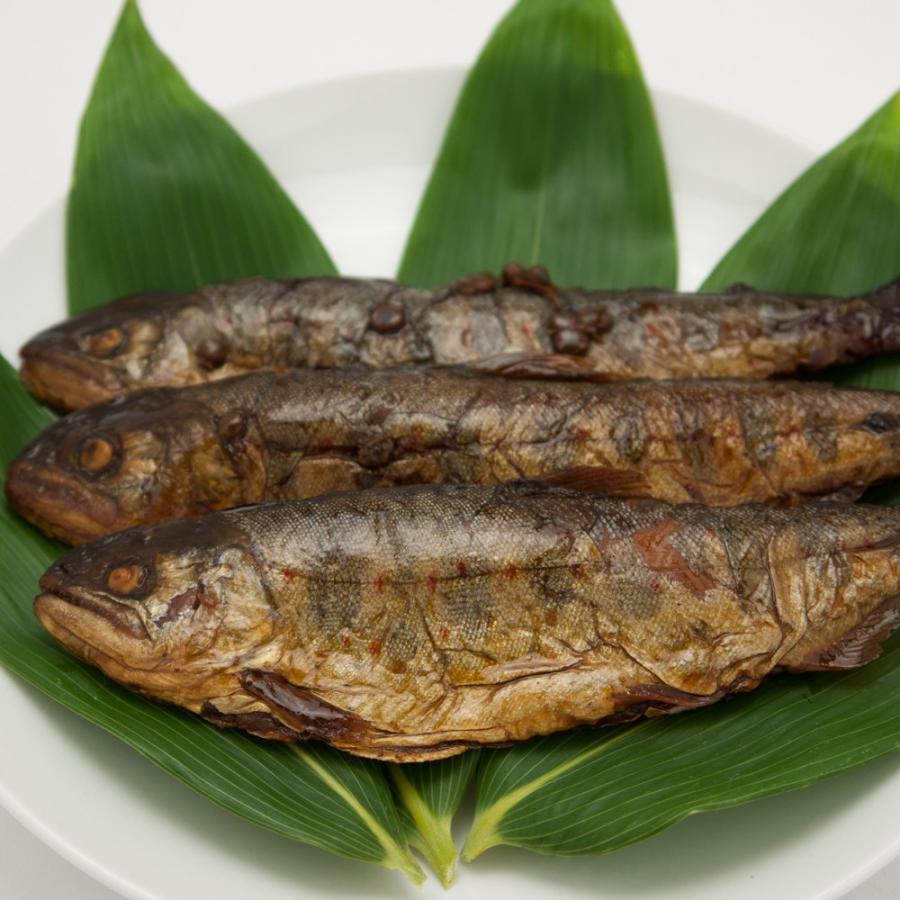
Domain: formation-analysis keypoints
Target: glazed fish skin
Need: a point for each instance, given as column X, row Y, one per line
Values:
column 167, row 453
column 414, row 623
column 151, row 340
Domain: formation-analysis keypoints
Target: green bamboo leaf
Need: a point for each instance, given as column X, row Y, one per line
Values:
column 307, row 792
column 835, row 230
column 593, row 792
column 431, row 794
column 552, row 156
column 165, row 194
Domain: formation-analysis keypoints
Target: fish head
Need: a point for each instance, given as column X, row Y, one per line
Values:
column 163, row 609
column 97, row 355
column 131, row 461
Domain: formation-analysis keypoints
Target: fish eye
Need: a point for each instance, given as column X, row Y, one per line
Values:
column 96, row 454
column 127, row 578
column 105, row 342
column 878, row 423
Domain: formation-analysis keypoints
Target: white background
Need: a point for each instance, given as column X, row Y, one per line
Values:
column 809, row 69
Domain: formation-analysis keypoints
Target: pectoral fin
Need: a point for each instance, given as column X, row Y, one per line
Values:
column 301, row 710
column 258, row 723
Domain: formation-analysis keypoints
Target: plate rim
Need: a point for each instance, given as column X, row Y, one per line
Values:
column 109, row 877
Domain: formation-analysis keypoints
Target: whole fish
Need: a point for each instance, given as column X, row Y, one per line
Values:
column 172, row 452
column 151, row 340
column 413, row 623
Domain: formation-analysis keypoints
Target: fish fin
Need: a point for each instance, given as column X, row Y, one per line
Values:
column 258, row 723
column 846, row 494
column 662, row 696
column 300, row 709
column 889, row 541
column 860, row 646
column 600, row 480
column 549, row 366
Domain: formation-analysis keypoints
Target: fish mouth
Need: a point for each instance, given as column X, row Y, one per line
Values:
column 64, row 380
column 111, row 636
column 80, row 639
column 60, row 506
column 92, row 627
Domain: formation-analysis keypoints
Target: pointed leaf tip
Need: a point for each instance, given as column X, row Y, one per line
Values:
column 552, row 156
column 165, row 194
column 430, row 794
column 835, row 230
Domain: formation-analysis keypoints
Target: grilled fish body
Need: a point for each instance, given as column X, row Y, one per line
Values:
column 173, row 452
column 152, row 340
column 413, row 623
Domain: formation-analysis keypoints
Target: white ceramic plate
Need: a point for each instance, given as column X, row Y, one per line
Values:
column 355, row 155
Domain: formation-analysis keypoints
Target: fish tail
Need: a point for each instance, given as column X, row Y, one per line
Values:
column 859, row 646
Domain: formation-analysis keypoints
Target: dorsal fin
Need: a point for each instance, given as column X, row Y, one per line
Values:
column 259, row 723
column 600, row 480
column 300, row 709
column 548, row 366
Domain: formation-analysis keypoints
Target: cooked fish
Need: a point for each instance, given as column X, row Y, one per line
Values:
column 151, row 340
column 412, row 623
column 171, row 452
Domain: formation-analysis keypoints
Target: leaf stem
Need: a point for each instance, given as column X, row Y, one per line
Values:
column 396, row 857
column 485, row 833
column 437, row 841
